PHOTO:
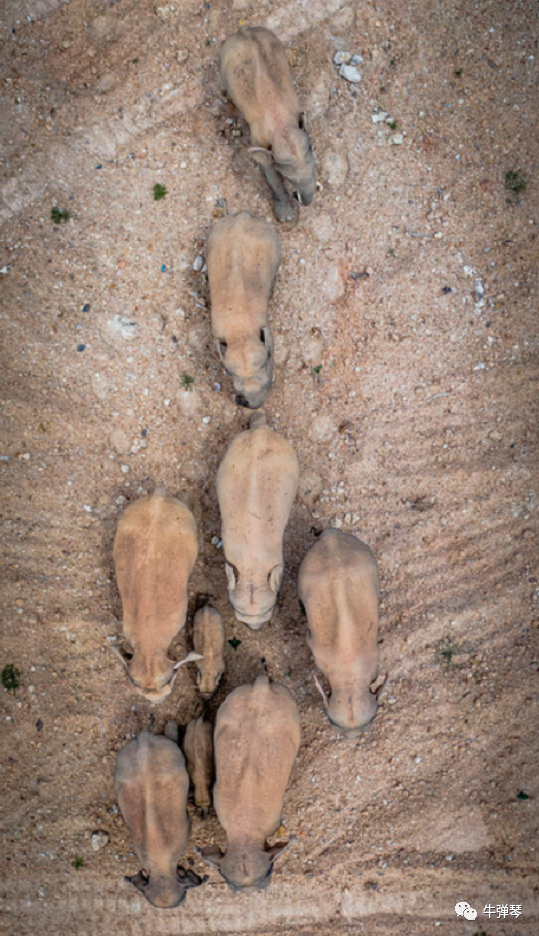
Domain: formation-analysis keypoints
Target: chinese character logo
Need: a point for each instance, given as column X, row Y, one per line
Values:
column 463, row 909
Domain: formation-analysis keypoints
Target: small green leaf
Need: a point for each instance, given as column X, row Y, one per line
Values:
column 317, row 369
column 393, row 125
column 11, row 677
column 514, row 182
column 187, row 381
column 234, row 643
column 78, row 862
column 135, row 61
column 59, row 215
column 522, row 795
column 159, row 191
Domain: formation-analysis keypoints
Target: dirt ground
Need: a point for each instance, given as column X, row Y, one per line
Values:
column 405, row 314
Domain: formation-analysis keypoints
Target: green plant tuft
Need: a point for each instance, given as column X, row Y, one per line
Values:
column 234, row 643
column 187, row 381
column 11, row 677
column 159, row 191
column 78, row 862
column 59, row 215
column 515, row 182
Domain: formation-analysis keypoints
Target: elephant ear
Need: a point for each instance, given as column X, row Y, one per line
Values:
column 275, row 578
column 262, row 156
column 140, row 880
column 276, row 851
column 189, row 878
column 211, row 854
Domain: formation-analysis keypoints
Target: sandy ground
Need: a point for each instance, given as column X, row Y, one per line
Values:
column 406, row 330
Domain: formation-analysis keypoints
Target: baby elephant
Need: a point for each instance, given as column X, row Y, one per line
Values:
column 198, row 749
column 151, row 788
column 209, row 642
column 256, row 741
column 339, row 588
column 256, row 75
column 155, row 549
column 257, row 482
column 243, row 255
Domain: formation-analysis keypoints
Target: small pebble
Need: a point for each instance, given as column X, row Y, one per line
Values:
column 341, row 58
column 198, row 264
column 99, row 840
column 86, row 307
column 397, row 139
column 350, row 73
column 125, row 469
column 206, row 420
column 182, row 56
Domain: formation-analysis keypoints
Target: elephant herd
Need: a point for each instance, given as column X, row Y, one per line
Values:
column 244, row 762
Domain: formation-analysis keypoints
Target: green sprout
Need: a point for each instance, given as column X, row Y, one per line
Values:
column 59, row 215
column 446, row 649
column 159, row 191
column 514, row 182
column 393, row 125
column 187, row 381
column 234, row 643
column 11, row 677
column 521, row 795
column 78, row 862
column 317, row 369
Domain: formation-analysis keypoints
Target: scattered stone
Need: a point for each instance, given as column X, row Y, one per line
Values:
column 321, row 429
column 356, row 59
column 350, row 73
column 335, row 168
column 312, row 347
column 311, row 487
column 104, row 84
column 100, row 386
column 99, row 840
column 119, row 326
column 397, row 139
column 120, row 441
column 198, row 264
column 182, row 55
column 342, row 58
column 167, row 12
column 103, row 27
column 318, row 99
column 381, row 117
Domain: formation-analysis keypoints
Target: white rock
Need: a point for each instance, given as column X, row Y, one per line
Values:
column 350, row 73
column 380, row 117
column 182, row 56
column 341, row 58
column 397, row 139
column 99, row 840
column 119, row 326
column 120, row 441
column 356, row 59
column 167, row 12
column 335, row 168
